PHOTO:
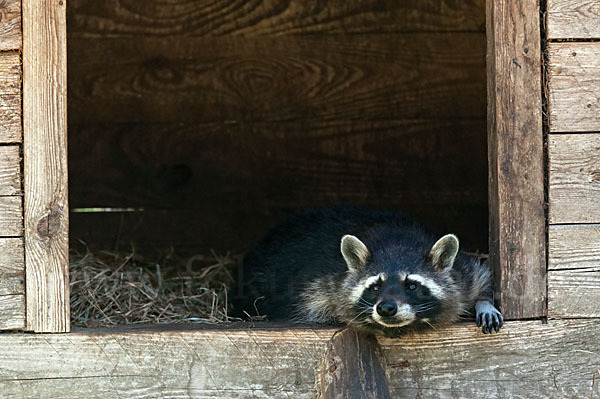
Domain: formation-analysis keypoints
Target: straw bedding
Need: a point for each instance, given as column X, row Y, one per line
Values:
column 110, row 288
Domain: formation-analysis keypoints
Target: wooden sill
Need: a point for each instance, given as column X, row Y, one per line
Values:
column 526, row 359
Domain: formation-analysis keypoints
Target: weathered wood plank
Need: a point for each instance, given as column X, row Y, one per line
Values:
column 574, row 87
column 351, row 368
column 527, row 360
column 10, row 170
column 574, row 247
column 10, row 73
column 276, row 168
column 516, row 158
column 168, row 166
column 10, row 25
column 574, row 178
column 11, row 216
column 236, row 227
column 12, row 266
column 10, row 117
column 371, row 76
column 574, row 293
column 12, row 313
column 573, row 19
column 10, row 97
column 45, row 164
column 119, row 18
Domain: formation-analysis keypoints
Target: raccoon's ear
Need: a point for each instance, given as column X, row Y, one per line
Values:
column 355, row 252
column 444, row 251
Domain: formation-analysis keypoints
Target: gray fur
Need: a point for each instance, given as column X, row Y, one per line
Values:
column 396, row 278
column 444, row 251
column 355, row 253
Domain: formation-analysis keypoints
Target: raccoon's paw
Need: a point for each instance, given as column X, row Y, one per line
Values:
column 488, row 317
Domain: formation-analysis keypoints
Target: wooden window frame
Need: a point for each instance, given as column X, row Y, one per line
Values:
column 515, row 151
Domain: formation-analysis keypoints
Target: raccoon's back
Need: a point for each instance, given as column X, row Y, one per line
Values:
column 306, row 246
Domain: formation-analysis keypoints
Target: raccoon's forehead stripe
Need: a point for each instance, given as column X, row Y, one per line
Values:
column 374, row 279
column 433, row 287
column 364, row 284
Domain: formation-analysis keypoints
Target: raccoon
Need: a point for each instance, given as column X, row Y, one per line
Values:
column 376, row 270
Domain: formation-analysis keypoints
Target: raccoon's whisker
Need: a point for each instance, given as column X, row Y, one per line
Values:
column 365, row 302
column 429, row 324
column 358, row 315
column 422, row 308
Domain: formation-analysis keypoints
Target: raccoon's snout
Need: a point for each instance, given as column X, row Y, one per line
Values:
column 387, row 309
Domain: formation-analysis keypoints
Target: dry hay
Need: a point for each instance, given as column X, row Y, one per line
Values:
column 110, row 288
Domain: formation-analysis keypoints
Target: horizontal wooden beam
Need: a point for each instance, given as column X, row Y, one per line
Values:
column 277, row 167
column 574, row 270
column 574, row 293
column 239, row 78
column 12, row 266
column 574, row 86
column 11, row 216
column 10, row 25
column 10, row 97
column 573, row 19
column 526, row 359
column 574, row 247
column 10, row 170
column 271, row 17
column 12, row 313
column 574, row 178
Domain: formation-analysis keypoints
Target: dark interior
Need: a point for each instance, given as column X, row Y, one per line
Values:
column 200, row 124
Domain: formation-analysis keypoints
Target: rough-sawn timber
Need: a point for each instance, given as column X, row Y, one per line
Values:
column 526, row 359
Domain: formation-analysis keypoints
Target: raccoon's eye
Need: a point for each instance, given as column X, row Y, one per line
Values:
column 412, row 286
column 374, row 287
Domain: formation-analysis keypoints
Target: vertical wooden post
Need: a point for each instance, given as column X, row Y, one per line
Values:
column 516, row 157
column 351, row 368
column 45, row 165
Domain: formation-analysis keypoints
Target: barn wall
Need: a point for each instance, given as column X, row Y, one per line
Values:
column 12, row 264
column 218, row 118
column 574, row 158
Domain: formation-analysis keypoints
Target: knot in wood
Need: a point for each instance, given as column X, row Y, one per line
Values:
column 332, row 367
column 50, row 223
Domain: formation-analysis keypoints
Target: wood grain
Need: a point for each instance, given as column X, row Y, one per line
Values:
column 118, row 18
column 10, row 97
column 183, row 166
column 574, row 247
column 527, row 359
column 12, row 312
column 516, row 158
column 338, row 77
column 574, row 178
column 12, row 266
column 237, row 228
column 574, row 87
column 10, row 170
column 10, row 25
column 351, row 368
column 11, row 216
column 574, row 293
column 573, row 19
column 10, row 73
column 574, row 270
column 45, row 165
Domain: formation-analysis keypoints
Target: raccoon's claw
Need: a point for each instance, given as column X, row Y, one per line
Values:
column 488, row 317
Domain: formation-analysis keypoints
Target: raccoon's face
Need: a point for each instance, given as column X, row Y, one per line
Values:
column 397, row 298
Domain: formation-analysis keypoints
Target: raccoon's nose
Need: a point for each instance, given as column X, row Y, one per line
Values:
column 387, row 309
